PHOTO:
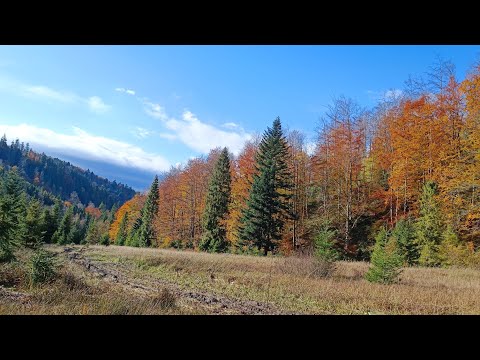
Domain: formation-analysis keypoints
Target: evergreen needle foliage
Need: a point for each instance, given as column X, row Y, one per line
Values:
column 386, row 262
column 42, row 267
column 268, row 205
column 216, row 209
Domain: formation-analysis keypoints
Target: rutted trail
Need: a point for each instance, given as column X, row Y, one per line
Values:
column 215, row 304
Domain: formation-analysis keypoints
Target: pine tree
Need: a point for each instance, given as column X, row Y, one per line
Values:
column 122, row 230
column 144, row 233
column 429, row 226
column 63, row 235
column 404, row 234
column 267, row 208
column 12, row 214
column 34, row 233
column 216, row 207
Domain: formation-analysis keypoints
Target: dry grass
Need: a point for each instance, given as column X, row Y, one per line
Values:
column 290, row 284
column 74, row 292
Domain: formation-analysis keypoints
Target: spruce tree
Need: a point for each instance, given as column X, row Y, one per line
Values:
column 429, row 226
column 267, row 208
column 12, row 214
column 214, row 238
column 122, row 230
column 386, row 261
column 63, row 235
column 404, row 234
column 93, row 236
column 34, row 233
column 143, row 234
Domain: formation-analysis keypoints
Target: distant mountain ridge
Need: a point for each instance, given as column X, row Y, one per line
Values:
column 61, row 178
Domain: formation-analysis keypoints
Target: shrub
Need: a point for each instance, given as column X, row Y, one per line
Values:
column 385, row 262
column 105, row 240
column 42, row 267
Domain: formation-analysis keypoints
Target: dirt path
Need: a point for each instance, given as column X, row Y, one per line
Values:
column 215, row 304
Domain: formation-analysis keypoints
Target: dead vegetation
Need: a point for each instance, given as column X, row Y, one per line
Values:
column 122, row 280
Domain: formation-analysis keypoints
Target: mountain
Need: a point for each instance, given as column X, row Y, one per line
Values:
column 139, row 180
column 61, row 178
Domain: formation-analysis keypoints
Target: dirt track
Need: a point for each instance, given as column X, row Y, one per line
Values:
column 214, row 304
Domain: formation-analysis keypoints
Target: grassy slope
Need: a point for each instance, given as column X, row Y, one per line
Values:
column 284, row 283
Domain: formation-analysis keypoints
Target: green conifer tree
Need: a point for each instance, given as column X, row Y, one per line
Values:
column 34, row 233
column 143, row 234
column 386, row 261
column 268, row 207
column 404, row 234
column 214, row 238
column 122, row 230
column 63, row 235
column 429, row 226
column 12, row 214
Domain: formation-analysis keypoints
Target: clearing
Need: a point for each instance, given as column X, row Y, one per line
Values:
column 124, row 280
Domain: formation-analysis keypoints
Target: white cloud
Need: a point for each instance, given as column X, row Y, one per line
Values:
column 310, row 148
column 46, row 92
column 230, row 125
column 13, row 86
column 96, row 104
column 84, row 145
column 168, row 136
column 203, row 137
column 141, row 133
column 195, row 134
column 393, row 94
column 127, row 91
column 155, row 110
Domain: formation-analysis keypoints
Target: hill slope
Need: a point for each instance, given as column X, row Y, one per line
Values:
column 61, row 178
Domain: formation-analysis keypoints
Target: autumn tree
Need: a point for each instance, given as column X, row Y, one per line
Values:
column 216, row 208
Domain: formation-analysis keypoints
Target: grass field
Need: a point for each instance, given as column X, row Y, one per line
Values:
column 123, row 280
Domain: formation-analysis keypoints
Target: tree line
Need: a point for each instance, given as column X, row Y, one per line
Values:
column 28, row 220
column 406, row 171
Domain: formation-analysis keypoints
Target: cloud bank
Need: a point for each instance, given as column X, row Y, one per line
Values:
column 87, row 146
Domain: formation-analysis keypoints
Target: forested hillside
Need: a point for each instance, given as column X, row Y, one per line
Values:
column 61, row 178
column 404, row 175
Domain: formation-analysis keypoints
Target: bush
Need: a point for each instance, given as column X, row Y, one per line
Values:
column 6, row 254
column 386, row 261
column 42, row 267
column 305, row 266
column 105, row 240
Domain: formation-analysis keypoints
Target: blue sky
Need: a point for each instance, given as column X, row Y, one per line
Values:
column 146, row 108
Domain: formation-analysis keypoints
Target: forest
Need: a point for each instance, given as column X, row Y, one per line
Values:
column 398, row 182
column 405, row 173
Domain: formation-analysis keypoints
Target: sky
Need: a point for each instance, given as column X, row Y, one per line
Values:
column 127, row 112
